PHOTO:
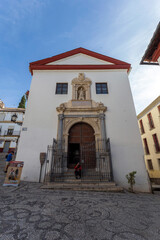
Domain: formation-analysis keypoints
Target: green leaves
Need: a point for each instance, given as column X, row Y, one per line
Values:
column 131, row 179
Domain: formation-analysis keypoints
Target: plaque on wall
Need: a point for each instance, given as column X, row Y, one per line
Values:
column 81, row 103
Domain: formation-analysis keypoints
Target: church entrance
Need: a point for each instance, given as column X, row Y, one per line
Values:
column 81, row 146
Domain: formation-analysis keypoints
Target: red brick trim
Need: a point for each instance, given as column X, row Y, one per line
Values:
column 76, row 51
column 41, row 64
column 156, row 54
column 78, row 67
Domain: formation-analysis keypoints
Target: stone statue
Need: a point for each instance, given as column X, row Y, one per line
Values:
column 2, row 104
column 81, row 94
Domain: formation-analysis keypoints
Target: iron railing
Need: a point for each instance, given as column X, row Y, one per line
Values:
column 14, row 133
column 95, row 159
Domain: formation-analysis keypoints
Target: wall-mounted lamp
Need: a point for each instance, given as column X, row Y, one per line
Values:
column 14, row 118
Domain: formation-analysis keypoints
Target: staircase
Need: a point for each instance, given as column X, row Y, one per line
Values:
column 78, row 185
column 2, row 166
column 67, row 181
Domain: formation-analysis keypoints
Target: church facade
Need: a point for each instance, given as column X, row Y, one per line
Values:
column 83, row 101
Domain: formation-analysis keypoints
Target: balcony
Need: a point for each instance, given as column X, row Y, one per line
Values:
column 9, row 133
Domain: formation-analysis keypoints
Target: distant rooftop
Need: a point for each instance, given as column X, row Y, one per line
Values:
column 12, row 110
column 149, row 107
column 152, row 52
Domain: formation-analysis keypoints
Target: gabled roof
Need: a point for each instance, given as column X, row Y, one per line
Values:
column 111, row 63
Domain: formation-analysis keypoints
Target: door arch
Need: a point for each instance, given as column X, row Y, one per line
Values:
column 80, row 136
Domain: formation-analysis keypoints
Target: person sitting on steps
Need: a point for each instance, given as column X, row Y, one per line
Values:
column 77, row 172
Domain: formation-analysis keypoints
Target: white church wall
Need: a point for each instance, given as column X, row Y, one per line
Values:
column 41, row 122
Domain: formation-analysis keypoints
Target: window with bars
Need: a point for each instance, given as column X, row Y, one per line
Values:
column 141, row 126
column 150, row 165
column 101, row 88
column 61, row 88
column 151, row 123
column 156, row 142
column 146, row 146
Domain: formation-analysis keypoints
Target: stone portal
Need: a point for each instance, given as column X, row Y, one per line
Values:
column 81, row 120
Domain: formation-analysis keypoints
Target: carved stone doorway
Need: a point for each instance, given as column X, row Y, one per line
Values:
column 80, row 135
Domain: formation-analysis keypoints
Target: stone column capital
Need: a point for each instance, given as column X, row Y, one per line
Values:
column 101, row 116
column 61, row 116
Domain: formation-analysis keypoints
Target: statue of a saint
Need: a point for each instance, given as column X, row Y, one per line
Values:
column 81, row 94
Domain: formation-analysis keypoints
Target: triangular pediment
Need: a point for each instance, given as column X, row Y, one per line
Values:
column 76, row 59
column 80, row 59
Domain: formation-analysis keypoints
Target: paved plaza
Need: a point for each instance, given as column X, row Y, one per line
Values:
column 29, row 212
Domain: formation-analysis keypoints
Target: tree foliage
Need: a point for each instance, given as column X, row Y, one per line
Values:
column 22, row 102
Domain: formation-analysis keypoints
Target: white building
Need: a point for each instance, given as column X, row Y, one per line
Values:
column 9, row 130
column 82, row 99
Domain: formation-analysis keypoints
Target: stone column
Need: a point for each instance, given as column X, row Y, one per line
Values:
column 61, row 153
column 60, row 127
column 103, row 127
column 103, row 130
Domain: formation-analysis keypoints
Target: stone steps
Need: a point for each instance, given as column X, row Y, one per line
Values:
column 78, row 185
column 90, row 176
column 2, row 166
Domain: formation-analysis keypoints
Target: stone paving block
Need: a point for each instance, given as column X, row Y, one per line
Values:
column 29, row 212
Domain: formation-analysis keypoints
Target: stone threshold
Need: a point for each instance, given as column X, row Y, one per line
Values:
column 81, row 186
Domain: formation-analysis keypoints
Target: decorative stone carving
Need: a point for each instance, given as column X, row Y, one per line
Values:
column 81, row 77
column 2, row 104
column 61, row 116
column 90, row 121
column 61, row 108
column 81, row 109
column 81, row 88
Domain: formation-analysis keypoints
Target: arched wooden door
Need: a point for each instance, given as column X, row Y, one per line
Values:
column 81, row 146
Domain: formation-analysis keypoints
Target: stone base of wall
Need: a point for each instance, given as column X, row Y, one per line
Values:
column 155, row 181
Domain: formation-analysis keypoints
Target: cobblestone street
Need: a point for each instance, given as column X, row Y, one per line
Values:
column 29, row 212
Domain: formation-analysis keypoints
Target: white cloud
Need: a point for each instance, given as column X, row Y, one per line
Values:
column 131, row 30
column 145, row 85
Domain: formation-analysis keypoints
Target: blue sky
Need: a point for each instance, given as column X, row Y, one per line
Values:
column 31, row 30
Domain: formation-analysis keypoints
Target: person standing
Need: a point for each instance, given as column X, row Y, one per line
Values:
column 8, row 160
